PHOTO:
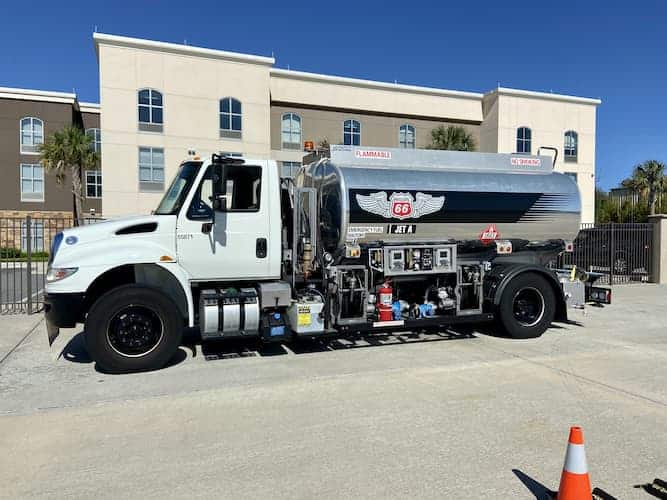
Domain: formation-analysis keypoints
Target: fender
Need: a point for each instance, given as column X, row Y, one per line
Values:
column 184, row 281
column 500, row 275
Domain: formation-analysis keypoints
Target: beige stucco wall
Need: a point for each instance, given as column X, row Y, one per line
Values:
column 488, row 134
column 376, row 130
column 548, row 119
column 191, row 88
column 345, row 93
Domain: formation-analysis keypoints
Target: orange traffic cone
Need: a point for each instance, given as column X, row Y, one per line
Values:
column 574, row 482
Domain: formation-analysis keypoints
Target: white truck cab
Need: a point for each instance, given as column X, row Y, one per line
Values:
column 184, row 241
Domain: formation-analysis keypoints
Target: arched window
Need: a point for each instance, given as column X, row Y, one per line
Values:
column 406, row 136
column 151, row 110
column 291, row 131
column 230, row 118
column 95, row 139
column 351, row 133
column 571, row 147
column 32, row 135
column 523, row 138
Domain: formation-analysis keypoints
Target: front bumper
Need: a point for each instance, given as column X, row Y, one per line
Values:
column 62, row 310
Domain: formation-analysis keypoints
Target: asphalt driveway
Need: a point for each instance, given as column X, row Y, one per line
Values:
column 457, row 415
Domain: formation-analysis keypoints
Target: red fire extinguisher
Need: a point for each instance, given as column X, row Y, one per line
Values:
column 385, row 299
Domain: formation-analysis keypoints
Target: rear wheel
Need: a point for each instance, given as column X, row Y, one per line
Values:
column 133, row 328
column 527, row 306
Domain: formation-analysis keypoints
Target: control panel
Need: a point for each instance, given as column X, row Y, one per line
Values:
column 420, row 259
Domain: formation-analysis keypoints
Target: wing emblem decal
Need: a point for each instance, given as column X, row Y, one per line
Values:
column 400, row 205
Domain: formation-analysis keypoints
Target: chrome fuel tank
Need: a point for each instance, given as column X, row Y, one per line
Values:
column 396, row 196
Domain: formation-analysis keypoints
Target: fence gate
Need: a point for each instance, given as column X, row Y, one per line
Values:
column 622, row 252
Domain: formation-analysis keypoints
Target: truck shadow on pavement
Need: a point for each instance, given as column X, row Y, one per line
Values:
column 75, row 352
column 192, row 345
column 226, row 349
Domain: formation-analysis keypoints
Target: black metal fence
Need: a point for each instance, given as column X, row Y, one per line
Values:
column 24, row 254
column 622, row 252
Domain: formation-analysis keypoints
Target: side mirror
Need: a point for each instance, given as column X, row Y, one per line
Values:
column 220, row 203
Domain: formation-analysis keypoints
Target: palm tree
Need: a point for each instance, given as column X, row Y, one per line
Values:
column 453, row 138
column 69, row 152
column 648, row 179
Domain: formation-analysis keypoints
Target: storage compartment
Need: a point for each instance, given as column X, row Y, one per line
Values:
column 305, row 315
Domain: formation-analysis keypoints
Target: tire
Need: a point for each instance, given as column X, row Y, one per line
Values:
column 133, row 328
column 527, row 306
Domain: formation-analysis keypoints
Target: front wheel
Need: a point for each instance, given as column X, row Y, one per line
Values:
column 133, row 328
column 527, row 306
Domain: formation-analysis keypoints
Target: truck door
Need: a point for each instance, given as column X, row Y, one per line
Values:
column 233, row 244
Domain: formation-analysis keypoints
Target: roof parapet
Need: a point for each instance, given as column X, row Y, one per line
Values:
column 139, row 43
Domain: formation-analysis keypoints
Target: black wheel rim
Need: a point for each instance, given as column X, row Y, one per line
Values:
column 135, row 331
column 528, row 306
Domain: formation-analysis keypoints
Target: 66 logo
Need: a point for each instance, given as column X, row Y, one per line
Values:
column 401, row 205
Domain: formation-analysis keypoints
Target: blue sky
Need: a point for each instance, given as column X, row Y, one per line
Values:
column 616, row 51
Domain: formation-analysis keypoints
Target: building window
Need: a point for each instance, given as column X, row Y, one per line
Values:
column 95, row 139
column 36, row 236
column 291, row 131
column 93, row 184
column 32, row 182
column 523, row 139
column 351, row 133
column 406, row 136
column 230, row 118
column 572, row 175
column 151, row 169
column 32, row 135
column 571, row 148
column 151, row 110
column 290, row 168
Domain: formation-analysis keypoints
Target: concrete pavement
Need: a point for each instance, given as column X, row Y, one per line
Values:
column 456, row 417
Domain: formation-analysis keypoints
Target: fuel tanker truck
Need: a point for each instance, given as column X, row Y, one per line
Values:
column 361, row 241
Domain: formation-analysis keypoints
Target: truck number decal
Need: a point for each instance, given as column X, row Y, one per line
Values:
column 402, row 228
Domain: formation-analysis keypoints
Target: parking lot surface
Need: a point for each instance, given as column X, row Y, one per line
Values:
column 457, row 415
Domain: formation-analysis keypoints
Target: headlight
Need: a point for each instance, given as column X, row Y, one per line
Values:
column 59, row 273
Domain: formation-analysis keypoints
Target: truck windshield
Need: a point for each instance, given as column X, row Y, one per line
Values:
column 173, row 199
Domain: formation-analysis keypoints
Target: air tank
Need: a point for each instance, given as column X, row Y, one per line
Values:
column 372, row 195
